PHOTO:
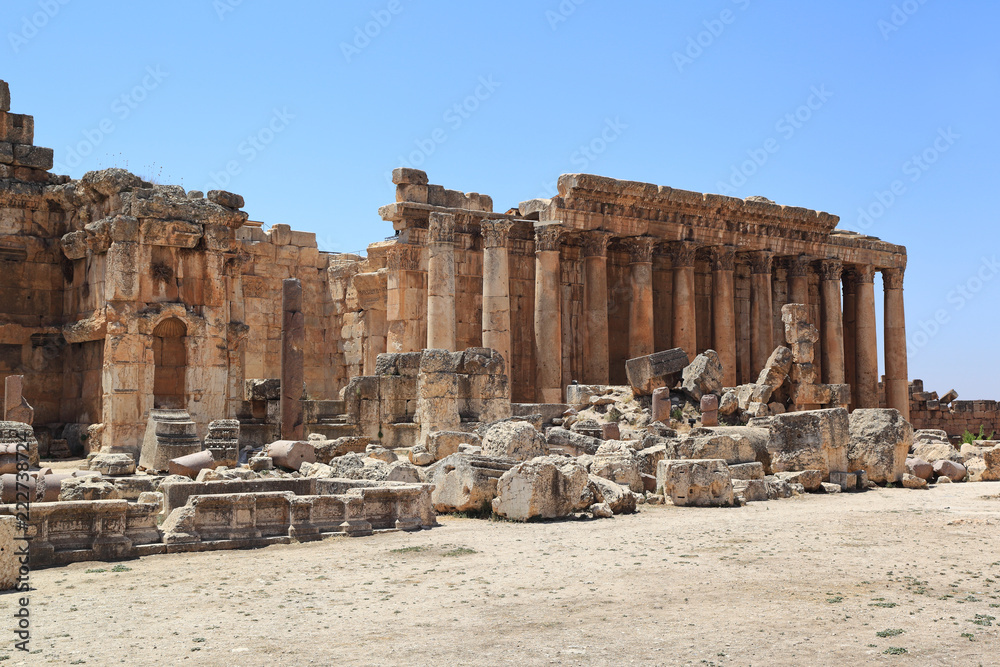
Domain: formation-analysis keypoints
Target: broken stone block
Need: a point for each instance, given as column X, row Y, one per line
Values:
column 113, row 464
column 571, row 442
column 325, row 450
column 615, row 460
column 601, row 511
column 811, row 480
column 880, row 441
column 88, row 488
column 290, row 454
column 464, row 483
column 744, row 471
column 919, row 468
column 380, row 453
column 262, row 389
column 810, row 440
column 227, row 199
column 516, row 440
column 848, row 481
column 709, row 410
column 662, row 406
column 829, row 487
column 948, row 398
column 610, row 431
column 660, row 369
column 169, row 434
column 703, row 375
column 192, row 464
column 442, row 444
column 729, row 403
column 776, row 369
column 991, row 457
column 706, row 443
column 955, row 472
column 546, row 487
column 21, row 437
column 223, row 441
column 259, row 463
column 696, row 482
column 933, row 446
column 419, row 456
column 751, row 490
column 15, row 407
column 620, row 499
column 913, row 482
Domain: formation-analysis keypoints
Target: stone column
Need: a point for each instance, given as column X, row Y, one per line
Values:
column 866, row 350
column 441, row 282
column 832, row 348
column 496, row 287
column 685, row 318
column 596, row 364
column 897, row 392
column 798, row 280
column 548, row 314
column 724, row 311
column 640, row 325
column 850, row 311
column 406, row 299
column 761, row 326
column 293, row 333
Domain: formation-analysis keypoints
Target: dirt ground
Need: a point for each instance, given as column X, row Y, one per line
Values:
column 890, row 576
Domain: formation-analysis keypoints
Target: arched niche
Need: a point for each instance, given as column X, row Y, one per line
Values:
column 170, row 359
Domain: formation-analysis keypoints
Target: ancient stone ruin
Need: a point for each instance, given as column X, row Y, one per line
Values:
column 219, row 383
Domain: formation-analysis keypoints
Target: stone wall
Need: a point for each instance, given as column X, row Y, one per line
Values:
column 955, row 417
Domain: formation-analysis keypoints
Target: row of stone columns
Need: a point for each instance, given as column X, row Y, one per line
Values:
column 848, row 337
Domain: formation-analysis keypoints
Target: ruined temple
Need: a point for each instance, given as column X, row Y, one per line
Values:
column 119, row 296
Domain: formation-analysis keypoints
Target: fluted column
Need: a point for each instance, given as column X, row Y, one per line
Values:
column 724, row 311
column 798, row 280
column 640, row 325
column 685, row 322
column 897, row 393
column 832, row 349
column 596, row 365
column 548, row 316
column 496, row 287
column 866, row 341
column 761, row 327
column 441, row 282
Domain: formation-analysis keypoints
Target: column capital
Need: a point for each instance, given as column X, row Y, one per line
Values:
column 892, row 278
column 548, row 236
column 639, row 248
column 864, row 273
column 798, row 265
column 595, row 244
column 760, row 261
column 723, row 258
column 682, row 253
column 850, row 276
column 441, row 228
column 495, row 232
column 831, row 269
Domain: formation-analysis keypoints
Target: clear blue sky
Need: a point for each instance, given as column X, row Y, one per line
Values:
column 333, row 112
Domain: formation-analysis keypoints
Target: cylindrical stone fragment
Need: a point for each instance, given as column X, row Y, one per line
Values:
column 192, row 464
column 290, row 454
column 9, row 489
column 292, row 372
column 661, row 405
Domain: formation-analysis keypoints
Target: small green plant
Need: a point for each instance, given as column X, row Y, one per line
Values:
column 121, row 568
column 461, row 551
column 884, row 605
column 677, row 414
column 969, row 437
column 891, row 632
column 984, row 620
column 407, row 550
column 969, row 636
column 895, row 650
column 94, row 570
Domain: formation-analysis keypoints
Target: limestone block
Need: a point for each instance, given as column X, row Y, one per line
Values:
column 380, row 453
column 15, row 407
column 703, row 375
column 704, row 443
column 601, row 511
column 829, row 487
column 929, row 449
column 223, row 441
column 259, row 463
column 809, row 440
column 648, row 458
column 811, row 480
column 880, row 441
column 570, row 441
column 956, row 472
column 660, row 369
column 419, row 456
column 546, row 487
column 88, row 488
column 113, row 464
column 464, row 483
column 729, row 403
column 615, row 460
column 262, row 390
column 10, row 565
column 328, row 449
column 191, row 465
column 913, row 482
column 751, row 490
column 227, row 199
column 35, row 157
column 745, row 471
column 290, row 454
column 847, row 481
column 516, row 440
column 442, row 444
column 17, row 128
column 776, row 369
column 696, row 482
column 619, row 499
column 919, row 468
column 20, row 435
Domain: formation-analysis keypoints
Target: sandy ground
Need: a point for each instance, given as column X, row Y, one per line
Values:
column 812, row 580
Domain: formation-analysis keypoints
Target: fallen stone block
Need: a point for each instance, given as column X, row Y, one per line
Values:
column 290, row 454
column 810, row 440
column 829, row 487
column 259, row 463
column 87, row 488
column 545, row 487
column 991, row 458
column 745, row 471
column 660, row 369
column 620, row 499
column 919, row 468
column 464, row 483
column 616, row 461
column 955, row 472
column 601, row 511
column 751, row 490
column 329, row 449
column 811, row 480
column 848, row 481
column 381, row 453
column 419, row 456
column 697, row 483
column 913, row 482
column 707, row 443
column 702, row 376
column 571, row 442
column 442, row 444
column 516, row 440
column 880, row 441
column 192, row 464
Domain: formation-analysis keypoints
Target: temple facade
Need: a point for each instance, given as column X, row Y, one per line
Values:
column 119, row 296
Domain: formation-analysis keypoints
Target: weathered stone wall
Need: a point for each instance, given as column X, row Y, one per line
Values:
column 954, row 417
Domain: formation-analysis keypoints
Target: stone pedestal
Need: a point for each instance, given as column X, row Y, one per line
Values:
column 496, row 287
column 640, row 330
column 169, row 434
column 896, row 382
column 723, row 312
column 548, row 315
column 595, row 308
column 685, row 318
column 866, row 344
column 441, row 282
column 292, row 372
